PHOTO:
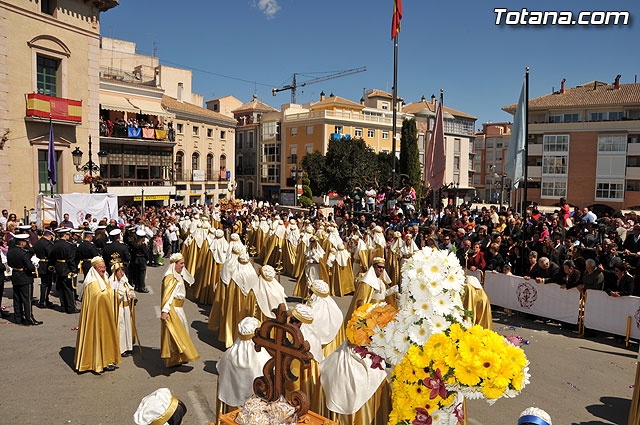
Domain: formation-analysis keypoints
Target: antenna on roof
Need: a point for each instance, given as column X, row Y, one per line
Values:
column 154, row 49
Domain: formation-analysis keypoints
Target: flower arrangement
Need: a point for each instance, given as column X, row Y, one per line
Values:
column 439, row 359
column 230, row 204
column 88, row 179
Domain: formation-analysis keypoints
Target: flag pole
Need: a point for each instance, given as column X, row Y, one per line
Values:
column 393, row 103
column 526, row 141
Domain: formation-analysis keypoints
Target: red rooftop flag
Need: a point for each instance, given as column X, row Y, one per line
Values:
column 397, row 16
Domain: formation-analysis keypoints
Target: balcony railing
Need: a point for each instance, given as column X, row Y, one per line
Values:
column 346, row 115
column 42, row 107
column 270, row 179
column 186, row 175
column 126, row 132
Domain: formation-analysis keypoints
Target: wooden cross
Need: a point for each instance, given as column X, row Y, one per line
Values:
column 285, row 343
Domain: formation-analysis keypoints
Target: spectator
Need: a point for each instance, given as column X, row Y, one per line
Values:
column 588, row 216
column 356, row 197
column 476, row 261
column 546, row 272
column 66, row 222
column 3, row 220
column 624, row 282
column 593, row 277
column 572, row 275
column 370, row 200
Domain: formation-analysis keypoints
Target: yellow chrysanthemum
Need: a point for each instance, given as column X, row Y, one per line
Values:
column 437, row 346
column 469, row 346
column 442, row 365
column 494, row 342
column 475, row 330
column 516, row 382
column 491, row 391
column 515, row 356
column 418, row 394
column 406, row 411
column 466, row 374
column 418, row 357
column 490, row 363
column 455, row 332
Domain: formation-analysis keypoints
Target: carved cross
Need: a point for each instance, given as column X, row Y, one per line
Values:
column 285, row 343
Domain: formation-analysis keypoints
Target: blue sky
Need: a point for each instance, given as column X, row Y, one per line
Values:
column 453, row 45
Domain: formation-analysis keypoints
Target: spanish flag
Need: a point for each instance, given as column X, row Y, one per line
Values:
column 397, row 16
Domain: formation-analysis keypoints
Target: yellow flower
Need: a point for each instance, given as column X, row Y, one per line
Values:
column 516, row 382
column 394, row 418
column 418, row 357
column 455, row 332
column 469, row 347
column 437, row 345
column 515, row 356
column 447, row 401
column 418, row 394
column 490, row 363
column 406, row 411
column 491, row 391
column 475, row 330
column 466, row 374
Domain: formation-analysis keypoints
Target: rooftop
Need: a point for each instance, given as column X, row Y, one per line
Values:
column 593, row 93
column 254, row 105
column 380, row 93
column 415, row 107
column 336, row 101
column 174, row 105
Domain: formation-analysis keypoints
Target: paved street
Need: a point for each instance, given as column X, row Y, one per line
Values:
column 577, row 380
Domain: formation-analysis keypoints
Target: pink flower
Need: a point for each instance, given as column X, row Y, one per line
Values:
column 459, row 412
column 436, row 384
column 422, row 417
column 514, row 340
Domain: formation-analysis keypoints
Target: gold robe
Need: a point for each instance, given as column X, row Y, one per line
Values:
column 374, row 412
column 216, row 315
column 309, row 382
column 393, row 266
column 236, row 307
column 341, row 279
column 363, row 295
column 476, row 300
column 98, row 339
column 298, row 269
column 274, row 251
column 289, row 258
column 258, row 242
column 190, row 254
column 203, row 292
column 176, row 346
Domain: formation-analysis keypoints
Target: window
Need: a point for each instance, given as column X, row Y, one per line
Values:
column 385, row 135
column 309, row 130
column 43, row 175
column 477, row 179
column 456, row 145
column 180, row 128
column 385, row 105
column 633, row 186
column 195, row 130
column 554, row 164
column 223, row 164
column 294, row 131
column 270, row 173
column 194, row 160
column 554, row 188
column 371, row 133
column 609, row 190
column 180, row 88
column 633, row 138
column 48, row 6
column 456, row 163
column 47, row 75
column 338, row 129
column 489, row 144
column 215, row 107
column 270, row 152
column 478, row 144
column 555, row 118
column 250, row 142
column 616, row 116
column 598, row 116
column 239, row 137
column 179, row 165
column 358, row 132
column 210, row 166
column 209, row 133
column 559, row 143
column 308, row 148
column 612, row 143
column 571, row 117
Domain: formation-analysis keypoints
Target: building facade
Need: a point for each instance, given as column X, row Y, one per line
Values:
column 247, row 146
column 584, row 145
column 459, row 138
column 49, row 70
column 490, row 149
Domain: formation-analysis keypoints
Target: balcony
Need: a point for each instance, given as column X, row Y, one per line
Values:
column 343, row 115
column 122, row 131
column 534, row 172
column 633, row 173
column 208, row 176
column 270, row 179
column 61, row 111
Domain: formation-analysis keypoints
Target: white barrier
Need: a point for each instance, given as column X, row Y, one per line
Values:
column 545, row 300
column 609, row 314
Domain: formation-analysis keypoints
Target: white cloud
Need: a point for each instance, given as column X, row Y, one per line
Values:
column 268, row 7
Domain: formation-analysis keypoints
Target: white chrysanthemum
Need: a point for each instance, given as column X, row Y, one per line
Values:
column 435, row 286
column 419, row 334
column 405, row 318
column 454, row 281
column 424, row 308
column 442, row 304
column 438, row 324
column 419, row 289
column 377, row 340
column 401, row 341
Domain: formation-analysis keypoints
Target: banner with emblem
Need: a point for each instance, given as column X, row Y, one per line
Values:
column 78, row 205
column 610, row 314
column 545, row 300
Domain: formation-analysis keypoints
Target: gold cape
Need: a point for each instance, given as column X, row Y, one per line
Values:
column 289, row 258
column 190, row 254
column 341, row 279
column 175, row 344
column 476, row 300
column 205, row 277
column 236, row 307
column 98, row 339
column 274, row 251
column 363, row 295
column 299, row 262
column 393, row 266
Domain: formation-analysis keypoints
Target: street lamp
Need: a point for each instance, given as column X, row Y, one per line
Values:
column 296, row 174
column 90, row 166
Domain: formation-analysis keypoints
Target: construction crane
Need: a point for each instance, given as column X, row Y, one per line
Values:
column 294, row 84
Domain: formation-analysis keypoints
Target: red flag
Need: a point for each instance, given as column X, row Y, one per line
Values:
column 397, row 16
column 436, row 161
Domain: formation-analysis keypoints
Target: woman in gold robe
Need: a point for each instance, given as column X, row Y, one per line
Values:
column 202, row 291
column 218, row 247
column 393, row 258
column 300, row 250
column 374, row 286
column 273, row 254
column 98, row 339
column 291, row 242
column 269, row 294
column 477, row 301
column 379, row 243
column 240, row 301
column 216, row 316
column 261, row 236
column 355, row 393
column 341, row 274
column 328, row 318
column 361, row 256
column 313, row 257
column 176, row 346
column 190, row 251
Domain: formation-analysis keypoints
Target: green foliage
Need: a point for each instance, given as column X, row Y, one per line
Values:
column 315, row 171
column 304, row 201
column 306, row 198
column 409, row 163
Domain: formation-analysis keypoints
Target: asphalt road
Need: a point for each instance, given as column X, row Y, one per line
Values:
column 582, row 381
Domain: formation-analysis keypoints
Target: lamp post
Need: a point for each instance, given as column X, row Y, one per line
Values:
column 296, row 174
column 90, row 166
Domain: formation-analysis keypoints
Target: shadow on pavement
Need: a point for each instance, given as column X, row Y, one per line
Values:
column 67, row 355
column 154, row 365
column 207, row 336
column 614, row 410
column 630, row 355
column 211, row 366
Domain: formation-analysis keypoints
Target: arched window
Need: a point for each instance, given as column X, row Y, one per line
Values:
column 179, row 165
column 195, row 159
column 210, row 166
column 223, row 166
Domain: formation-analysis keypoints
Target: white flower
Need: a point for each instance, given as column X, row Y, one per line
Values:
column 419, row 289
column 419, row 334
column 401, row 341
column 454, row 281
column 377, row 340
column 438, row 324
column 423, row 309
column 435, row 287
column 442, row 304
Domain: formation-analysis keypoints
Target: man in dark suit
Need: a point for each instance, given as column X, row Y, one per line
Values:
column 86, row 251
column 114, row 246
column 42, row 248
column 546, row 271
column 19, row 260
column 63, row 256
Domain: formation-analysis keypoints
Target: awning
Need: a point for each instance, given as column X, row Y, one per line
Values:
column 149, row 107
column 117, row 103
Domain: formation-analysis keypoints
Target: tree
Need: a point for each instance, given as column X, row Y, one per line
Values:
column 409, row 164
column 306, row 198
column 314, row 165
